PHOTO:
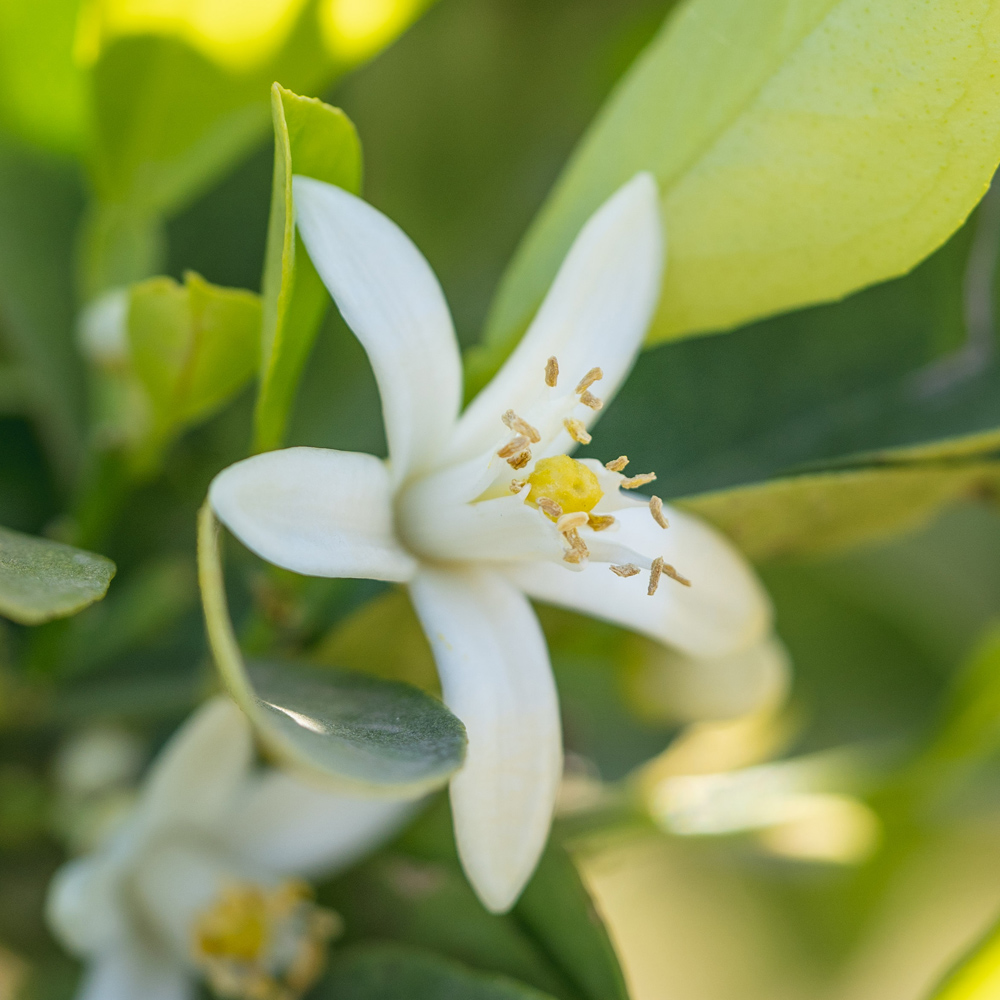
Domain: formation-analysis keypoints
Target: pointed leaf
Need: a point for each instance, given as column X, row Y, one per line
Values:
column 804, row 149
column 41, row 580
column 977, row 975
column 315, row 140
column 354, row 731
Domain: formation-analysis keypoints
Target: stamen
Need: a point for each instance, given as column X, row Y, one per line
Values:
column 674, row 575
column 656, row 509
column 551, row 372
column 636, row 481
column 570, row 522
column 594, row 375
column 578, row 548
column 577, row 431
column 617, row 465
column 550, row 508
column 514, row 446
column 626, row 570
column 520, row 460
column 654, row 576
column 589, row 399
column 516, row 485
column 519, row 426
column 600, row 522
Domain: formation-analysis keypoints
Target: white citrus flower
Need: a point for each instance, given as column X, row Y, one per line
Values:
column 205, row 877
column 480, row 510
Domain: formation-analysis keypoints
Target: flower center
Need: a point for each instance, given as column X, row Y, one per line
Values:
column 566, row 482
column 263, row 944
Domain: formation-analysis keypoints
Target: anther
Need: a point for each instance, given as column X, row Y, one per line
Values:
column 656, row 509
column 578, row 550
column 654, row 575
column 599, row 522
column 674, row 575
column 551, row 372
column 626, row 570
column 516, row 485
column 520, row 460
column 636, row 481
column 519, row 426
column 594, row 375
column 589, row 399
column 550, row 508
column 514, row 446
column 577, row 431
column 571, row 522
column 618, row 464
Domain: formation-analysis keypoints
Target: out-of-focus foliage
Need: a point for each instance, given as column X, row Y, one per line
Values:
column 803, row 150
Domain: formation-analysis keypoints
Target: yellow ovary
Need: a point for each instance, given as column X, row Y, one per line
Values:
column 565, row 482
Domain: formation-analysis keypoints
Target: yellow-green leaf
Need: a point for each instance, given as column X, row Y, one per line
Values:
column 977, row 976
column 316, row 140
column 804, row 149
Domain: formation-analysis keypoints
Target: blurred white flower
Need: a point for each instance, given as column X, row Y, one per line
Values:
column 205, row 878
column 481, row 511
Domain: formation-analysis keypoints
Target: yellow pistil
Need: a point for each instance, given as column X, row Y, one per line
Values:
column 263, row 944
column 567, row 483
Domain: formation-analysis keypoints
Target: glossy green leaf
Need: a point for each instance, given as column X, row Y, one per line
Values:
column 803, row 148
column 192, row 346
column 41, row 580
column 355, row 731
column 815, row 514
column 316, row 140
column 975, row 977
column 393, row 972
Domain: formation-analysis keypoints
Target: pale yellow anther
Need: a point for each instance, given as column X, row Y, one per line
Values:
column 656, row 509
column 572, row 522
column 600, row 522
column 551, row 372
column 636, row 481
column 626, row 570
column 513, row 447
column 618, row 464
column 594, row 375
column 520, row 460
column 550, row 508
column 516, row 485
column 519, row 426
column 577, row 431
column 566, row 482
column 589, row 399
column 577, row 548
column 654, row 575
column 669, row 570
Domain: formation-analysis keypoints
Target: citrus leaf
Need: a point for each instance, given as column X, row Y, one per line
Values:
column 316, row 140
column 41, row 580
column 803, row 148
column 357, row 732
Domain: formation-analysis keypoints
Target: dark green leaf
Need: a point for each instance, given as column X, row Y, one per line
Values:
column 41, row 580
column 315, row 140
column 392, row 972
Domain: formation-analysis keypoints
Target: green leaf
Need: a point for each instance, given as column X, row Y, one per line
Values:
column 358, row 732
column 392, row 972
column 815, row 514
column 315, row 140
column 977, row 975
column 41, row 580
column 803, row 150
column 193, row 347
column 559, row 912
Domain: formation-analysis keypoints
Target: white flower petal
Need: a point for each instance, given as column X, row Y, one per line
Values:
column 290, row 827
column 314, row 511
column 496, row 678
column 131, row 974
column 84, row 907
column 390, row 298
column 196, row 777
column 724, row 610
column 595, row 315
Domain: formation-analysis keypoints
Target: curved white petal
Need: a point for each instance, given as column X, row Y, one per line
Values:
column 290, row 827
column 696, row 689
column 130, row 974
column 724, row 610
column 195, row 779
column 84, row 906
column 314, row 511
column 496, row 678
column 390, row 298
column 595, row 315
